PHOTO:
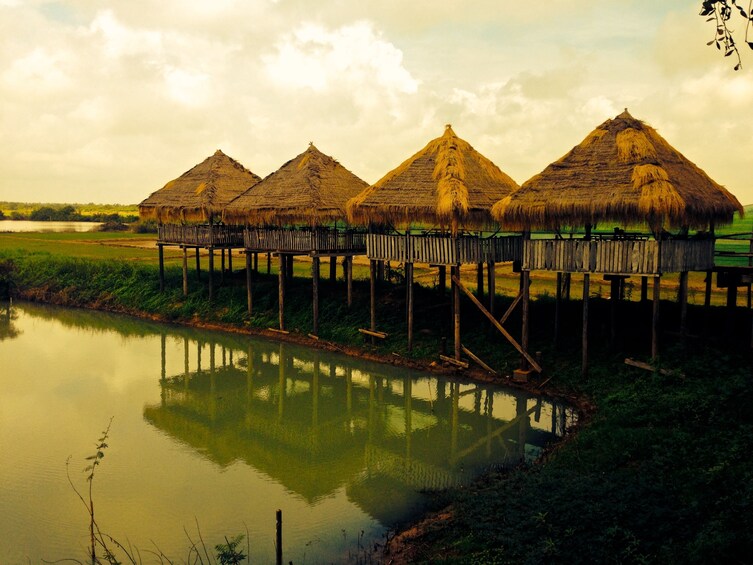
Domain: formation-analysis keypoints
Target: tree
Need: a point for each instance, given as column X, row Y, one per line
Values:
column 720, row 12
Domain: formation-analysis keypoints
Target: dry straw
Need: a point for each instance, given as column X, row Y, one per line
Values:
column 447, row 183
column 199, row 194
column 310, row 189
column 623, row 172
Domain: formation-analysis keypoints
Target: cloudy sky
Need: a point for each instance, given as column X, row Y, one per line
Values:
column 105, row 101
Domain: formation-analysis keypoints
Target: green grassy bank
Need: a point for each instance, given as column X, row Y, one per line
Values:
column 660, row 472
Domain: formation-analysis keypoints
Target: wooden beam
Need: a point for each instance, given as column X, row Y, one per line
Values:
column 557, row 308
column 647, row 367
column 511, row 308
column 248, row 282
column 211, row 273
column 526, row 275
column 496, row 324
column 373, row 333
column 198, row 264
column 452, row 361
column 409, row 302
column 281, row 289
column 372, row 295
column 315, row 292
column 185, row 271
column 476, row 359
column 349, row 279
column 455, row 276
column 491, row 285
column 161, row 254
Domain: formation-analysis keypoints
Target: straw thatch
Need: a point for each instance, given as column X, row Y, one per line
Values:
column 310, row 189
column 446, row 183
column 625, row 172
column 200, row 193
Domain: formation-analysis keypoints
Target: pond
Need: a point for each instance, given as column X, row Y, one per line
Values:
column 212, row 433
column 30, row 226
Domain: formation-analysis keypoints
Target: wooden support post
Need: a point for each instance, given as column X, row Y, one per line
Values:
column 248, row 282
column 380, row 271
column 315, row 292
column 349, row 279
column 211, row 274
column 567, row 279
column 289, row 267
column 442, row 280
column 644, row 290
column 372, row 296
column 655, row 318
column 491, row 285
column 332, row 269
column 709, row 281
column 161, row 253
column 732, row 293
column 230, row 260
column 584, row 338
column 281, row 291
column 409, row 302
column 683, row 297
column 480, row 281
column 455, row 270
column 526, row 276
column 185, row 271
column 269, row 263
column 222, row 265
column 557, row 307
column 198, row 265
column 614, row 300
column 278, row 538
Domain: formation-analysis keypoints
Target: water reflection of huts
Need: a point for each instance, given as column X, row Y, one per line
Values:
column 315, row 422
column 435, row 206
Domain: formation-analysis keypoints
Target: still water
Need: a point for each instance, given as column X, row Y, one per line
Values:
column 29, row 226
column 212, row 433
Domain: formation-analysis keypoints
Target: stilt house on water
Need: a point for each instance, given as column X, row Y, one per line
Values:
column 446, row 189
column 189, row 211
column 623, row 174
column 296, row 211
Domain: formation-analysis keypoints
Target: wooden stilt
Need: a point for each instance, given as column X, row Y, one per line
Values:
column 707, row 294
column 198, row 265
column 185, row 271
column 557, row 307
column 281, row 291
column 683, row 298
column 315, row 292
column 480, row 281
column 230, row 260
column 732, row 293
column 442, row 280
column 614, row 300
column 372, row 296
column 211, row 274
column 584, row 342
column 566, row 281
column 491, row 284
column 409, row 302
column 526, row 277
column 332, row 269
column 349, row 279
column 644, row 289
column 222, row 265
column 161, row 255
column 249, row 265
column 655, row 319
column 380, row 271
column 269, row 263
column 455, row 269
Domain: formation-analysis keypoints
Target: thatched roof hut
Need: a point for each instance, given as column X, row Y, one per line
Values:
column 625, row 172
column 446, row 183
column 199, row 193
column 311, row 189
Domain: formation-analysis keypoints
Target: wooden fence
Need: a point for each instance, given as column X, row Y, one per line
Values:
column 201, row 235
column 439, row 250
column 632, row 256
column 305, row 241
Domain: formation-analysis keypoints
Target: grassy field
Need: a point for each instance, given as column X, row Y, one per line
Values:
column 658, row 473
column 90, row 209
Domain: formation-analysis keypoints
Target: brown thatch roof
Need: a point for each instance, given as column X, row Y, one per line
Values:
column 311, row 189
column 446, row 183
column 623, row 171
column 199, row 193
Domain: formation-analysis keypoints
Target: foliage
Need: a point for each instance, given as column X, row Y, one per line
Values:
column 720, row 12
column 69, row 212
column 228, row 552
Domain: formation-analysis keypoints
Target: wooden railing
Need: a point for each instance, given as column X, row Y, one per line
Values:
column 201, row 235
column 441, row 250
column 305, row 241
column 631, row 256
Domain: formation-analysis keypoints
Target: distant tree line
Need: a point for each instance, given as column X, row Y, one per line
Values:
column 69, row 213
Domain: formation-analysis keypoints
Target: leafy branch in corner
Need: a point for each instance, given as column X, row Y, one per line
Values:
column 720, row 12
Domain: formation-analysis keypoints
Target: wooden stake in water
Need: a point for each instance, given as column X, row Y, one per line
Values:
column 278, row 542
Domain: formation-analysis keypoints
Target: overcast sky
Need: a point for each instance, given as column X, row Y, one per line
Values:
column 105, row 101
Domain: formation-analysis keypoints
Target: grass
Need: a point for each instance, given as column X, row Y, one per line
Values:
column 660, row 472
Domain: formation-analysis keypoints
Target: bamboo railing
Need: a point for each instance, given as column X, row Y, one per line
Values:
column 441, row 250
column 201, row 235
column 305, row 241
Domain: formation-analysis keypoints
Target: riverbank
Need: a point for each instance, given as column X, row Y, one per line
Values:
column 660, row 473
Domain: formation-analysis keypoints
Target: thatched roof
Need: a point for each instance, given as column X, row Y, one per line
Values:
column 311, row 189
column 446, row 183
column 625, row 172
column 200, row 192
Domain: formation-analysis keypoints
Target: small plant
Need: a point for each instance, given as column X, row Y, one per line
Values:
column 228, row 552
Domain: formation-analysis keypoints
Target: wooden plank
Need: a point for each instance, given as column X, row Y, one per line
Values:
column 456, row 362
column 496, row 324
column 483, row 365
column 647, row 367
column 373, row 333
